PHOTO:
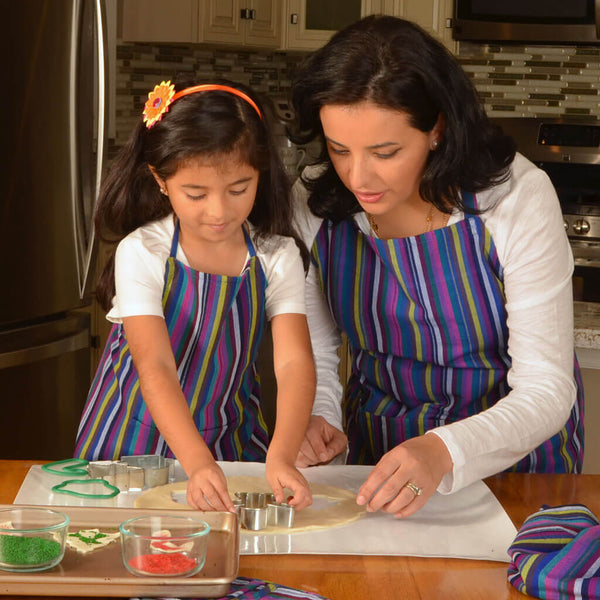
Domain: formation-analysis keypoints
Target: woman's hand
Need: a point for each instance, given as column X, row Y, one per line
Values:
column 420, row 461
column 322, row 442
column 281, row 475
column 207, row 489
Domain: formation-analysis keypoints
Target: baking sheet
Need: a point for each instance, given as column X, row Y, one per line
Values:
column 102, row 573
column 470, row 523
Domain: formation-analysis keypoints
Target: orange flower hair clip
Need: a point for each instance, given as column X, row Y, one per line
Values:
column 164, row 94
column 158, row 102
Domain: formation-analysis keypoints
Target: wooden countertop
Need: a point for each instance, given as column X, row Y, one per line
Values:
column 393, row 577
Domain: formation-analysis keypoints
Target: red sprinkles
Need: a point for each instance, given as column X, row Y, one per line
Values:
column 163, row 564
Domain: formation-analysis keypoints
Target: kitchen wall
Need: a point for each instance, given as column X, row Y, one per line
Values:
column 535, row 81
column 140, row 66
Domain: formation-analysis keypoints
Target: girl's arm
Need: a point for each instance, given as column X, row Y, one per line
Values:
column 153, row 358
column 296, row 381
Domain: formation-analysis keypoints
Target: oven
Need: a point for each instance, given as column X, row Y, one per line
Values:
column 569, row 151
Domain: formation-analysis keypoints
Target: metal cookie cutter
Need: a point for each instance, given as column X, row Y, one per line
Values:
column 117, row 473
column 257, row 510
column 157, row 469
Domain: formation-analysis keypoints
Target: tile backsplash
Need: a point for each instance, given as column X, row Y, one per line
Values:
column 141, row 66
column 535, row 81
column 512, row 80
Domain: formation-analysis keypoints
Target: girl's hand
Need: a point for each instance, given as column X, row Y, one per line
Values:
column 207, row 489
column 281, row 474
column 421, row 461
column 322, row 442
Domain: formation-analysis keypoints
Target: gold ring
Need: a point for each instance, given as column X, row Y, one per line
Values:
column 415, row 489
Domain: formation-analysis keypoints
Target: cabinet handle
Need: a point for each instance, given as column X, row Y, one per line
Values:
column 245, row 13
column 294, row 18
column 252, row 14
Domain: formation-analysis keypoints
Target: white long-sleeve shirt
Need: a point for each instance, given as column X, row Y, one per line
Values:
column 526, row 224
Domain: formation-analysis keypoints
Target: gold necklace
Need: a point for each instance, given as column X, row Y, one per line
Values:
column 372, row 224
column 428, row 221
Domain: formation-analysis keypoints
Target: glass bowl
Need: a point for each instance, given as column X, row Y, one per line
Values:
column 164, row 545
column 31, row 539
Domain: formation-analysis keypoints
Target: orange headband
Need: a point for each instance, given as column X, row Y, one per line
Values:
column 163, row 95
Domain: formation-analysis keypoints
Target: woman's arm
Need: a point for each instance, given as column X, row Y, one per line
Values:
column 324, row 438
column 295, row 375
column 150, row 349
column 527, row 228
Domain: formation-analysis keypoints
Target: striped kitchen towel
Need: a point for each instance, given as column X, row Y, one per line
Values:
column 556, row 554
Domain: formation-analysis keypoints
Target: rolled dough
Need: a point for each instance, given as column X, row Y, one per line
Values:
column 336, row 506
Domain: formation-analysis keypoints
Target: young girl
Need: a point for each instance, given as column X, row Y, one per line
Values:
column 199, row 199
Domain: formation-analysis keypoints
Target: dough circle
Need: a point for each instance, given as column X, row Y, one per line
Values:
column 341, row 507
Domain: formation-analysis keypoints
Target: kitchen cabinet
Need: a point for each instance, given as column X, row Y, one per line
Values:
column 175, row 21
column 254, row 23
column 243, row 22
column 435, row 16
column 310, row 23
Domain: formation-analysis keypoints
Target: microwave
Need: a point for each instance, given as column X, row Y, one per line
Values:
column 530, row 21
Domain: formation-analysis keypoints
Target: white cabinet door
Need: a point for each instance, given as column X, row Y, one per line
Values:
column 264, row 27
column 160, row 21
column 432, row 15
column 243, row 22
column 310, row 23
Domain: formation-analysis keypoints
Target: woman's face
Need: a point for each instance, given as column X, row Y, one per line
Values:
column 379, row 156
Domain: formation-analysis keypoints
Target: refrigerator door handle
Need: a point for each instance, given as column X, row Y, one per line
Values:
column 34, row 354
column 84, row 250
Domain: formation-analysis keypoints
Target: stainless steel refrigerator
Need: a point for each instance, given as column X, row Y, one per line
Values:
column 52, row 133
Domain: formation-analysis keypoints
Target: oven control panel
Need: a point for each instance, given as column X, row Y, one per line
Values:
column 586, row 226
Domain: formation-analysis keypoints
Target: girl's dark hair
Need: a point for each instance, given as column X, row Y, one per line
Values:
column 394, row 64
column 204, row 124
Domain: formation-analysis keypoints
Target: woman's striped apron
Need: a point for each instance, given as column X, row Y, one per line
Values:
column 426, row 324
column 215, row 325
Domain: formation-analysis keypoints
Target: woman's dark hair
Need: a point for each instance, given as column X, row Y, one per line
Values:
column 394, row 64
column 211, row 124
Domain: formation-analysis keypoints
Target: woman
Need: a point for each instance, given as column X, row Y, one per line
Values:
column 441, row 254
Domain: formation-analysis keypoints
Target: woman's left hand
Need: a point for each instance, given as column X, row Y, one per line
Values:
column 420, row 462
column 281, row 475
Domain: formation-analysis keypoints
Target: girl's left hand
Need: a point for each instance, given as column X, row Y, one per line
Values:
column 420, row 461
column 281, row 475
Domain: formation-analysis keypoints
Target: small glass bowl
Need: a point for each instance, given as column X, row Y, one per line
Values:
column 31, row 539
column 164, row 545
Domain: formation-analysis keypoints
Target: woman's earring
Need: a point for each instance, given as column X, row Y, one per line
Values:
column 163, row 191
column 435, row 144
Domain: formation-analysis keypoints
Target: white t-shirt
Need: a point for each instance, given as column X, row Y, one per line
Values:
column 526, row 224
column 140, row 263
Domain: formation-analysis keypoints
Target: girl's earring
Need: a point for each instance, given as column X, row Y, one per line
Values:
column 435, row 145
column 163, row 191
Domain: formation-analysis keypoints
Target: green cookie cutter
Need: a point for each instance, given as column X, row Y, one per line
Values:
column 70, row 466
column 60, row 488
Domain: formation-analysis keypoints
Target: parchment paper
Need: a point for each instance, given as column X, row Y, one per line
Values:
column 468, row 524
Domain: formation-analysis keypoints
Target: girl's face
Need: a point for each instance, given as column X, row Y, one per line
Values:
column 379, row 156
column 212, row 199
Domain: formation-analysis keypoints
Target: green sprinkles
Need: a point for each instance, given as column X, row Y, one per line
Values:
column 17, row 550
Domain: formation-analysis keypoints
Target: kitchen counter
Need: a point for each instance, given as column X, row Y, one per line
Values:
column 359, row 577
column 586, row 316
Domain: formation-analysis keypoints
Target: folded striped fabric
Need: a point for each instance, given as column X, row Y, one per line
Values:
column 556, row 554
column 244, row 588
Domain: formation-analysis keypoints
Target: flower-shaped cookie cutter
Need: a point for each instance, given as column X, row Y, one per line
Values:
column 257, row 510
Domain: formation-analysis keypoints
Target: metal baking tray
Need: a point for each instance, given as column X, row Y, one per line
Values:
column 102, row 573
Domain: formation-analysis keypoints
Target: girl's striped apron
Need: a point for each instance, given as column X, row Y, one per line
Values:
column 426, row 324
column 215, row 325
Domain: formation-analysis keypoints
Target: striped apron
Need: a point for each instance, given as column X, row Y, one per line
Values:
column 426, row 324
column 215, row 325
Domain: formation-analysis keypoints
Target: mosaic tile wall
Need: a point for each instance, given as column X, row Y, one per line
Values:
column 535, row 81
column 140, row 66
column 512, row 80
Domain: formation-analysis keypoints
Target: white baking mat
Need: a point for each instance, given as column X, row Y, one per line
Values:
column 468, row 524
